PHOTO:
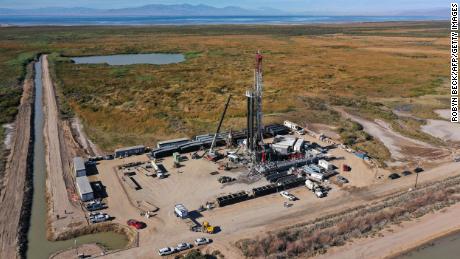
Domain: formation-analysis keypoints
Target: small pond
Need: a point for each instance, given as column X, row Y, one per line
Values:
column 130, row 59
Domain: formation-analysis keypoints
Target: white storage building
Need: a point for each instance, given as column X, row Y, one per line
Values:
column 79, row 168
column 84, row 188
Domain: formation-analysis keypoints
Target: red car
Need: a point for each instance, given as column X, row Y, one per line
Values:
column 136, row 224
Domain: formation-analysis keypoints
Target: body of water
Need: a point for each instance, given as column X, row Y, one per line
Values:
column 199, row 20
column 130, row 59
column 38, row 246
column 446, row 247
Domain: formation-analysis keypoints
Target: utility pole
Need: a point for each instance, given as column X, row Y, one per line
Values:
column 416, row 175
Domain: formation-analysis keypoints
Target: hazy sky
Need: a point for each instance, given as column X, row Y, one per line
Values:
column 333, row 6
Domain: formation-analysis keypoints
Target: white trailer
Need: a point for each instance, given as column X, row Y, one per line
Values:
column 294, row 127
column 317, row 176
column 299, row 145
column 310, row 185
column 181, row 211
column 325, row 164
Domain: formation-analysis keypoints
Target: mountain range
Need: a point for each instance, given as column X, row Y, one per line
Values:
column 162, row 10
column 146, row 10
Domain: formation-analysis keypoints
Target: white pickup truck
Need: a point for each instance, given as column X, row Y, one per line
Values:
column 98, row 217
column 288, row 196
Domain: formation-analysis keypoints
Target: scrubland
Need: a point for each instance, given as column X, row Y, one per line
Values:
column 369, row 68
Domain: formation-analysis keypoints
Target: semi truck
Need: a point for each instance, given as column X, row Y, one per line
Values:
column 315, row 188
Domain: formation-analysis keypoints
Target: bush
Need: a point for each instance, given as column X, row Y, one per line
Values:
column 333, row 230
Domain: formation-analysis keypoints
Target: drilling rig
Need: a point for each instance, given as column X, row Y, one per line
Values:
column 255, row 128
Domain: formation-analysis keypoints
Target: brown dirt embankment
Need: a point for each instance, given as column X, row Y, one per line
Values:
column 15, row 198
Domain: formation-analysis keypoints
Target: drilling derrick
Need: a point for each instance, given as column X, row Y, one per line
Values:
column 255, row 128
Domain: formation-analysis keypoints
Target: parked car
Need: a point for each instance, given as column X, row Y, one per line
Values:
column 202, row 241
column 418, row 170
column 406, row 173
column 99, row 218
column 93, row 214
column 394, row 176
column 319, row 192
column 136, row 224
column 288, row 196
column 342, row 179
column 183, row 246
column 94, row 205
column 166, row 251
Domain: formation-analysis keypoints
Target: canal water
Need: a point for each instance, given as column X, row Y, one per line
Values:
column 38, row 246
column 130, row 59
column 446, row 248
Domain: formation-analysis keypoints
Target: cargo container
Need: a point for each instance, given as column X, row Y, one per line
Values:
column 129, row 151
column 172, row 142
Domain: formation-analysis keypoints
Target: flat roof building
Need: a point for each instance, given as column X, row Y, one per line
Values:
column 84, row 188
column 79, row 168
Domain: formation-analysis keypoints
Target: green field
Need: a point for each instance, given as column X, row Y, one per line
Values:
column 369, row 68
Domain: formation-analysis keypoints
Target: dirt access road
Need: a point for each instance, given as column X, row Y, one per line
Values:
column 402, row 148
column 399, row 239
column 59, row 184
column 12, row 195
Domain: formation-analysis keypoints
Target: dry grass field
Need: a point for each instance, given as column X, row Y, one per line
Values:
column 370, row 68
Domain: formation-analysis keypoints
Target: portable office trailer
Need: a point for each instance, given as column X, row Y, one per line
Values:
column 79, row 168
column 129, row 151
column 84, row 189
column 317, row 176
column 299, row 145
column 325, row 164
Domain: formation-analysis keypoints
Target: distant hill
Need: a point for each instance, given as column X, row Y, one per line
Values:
column 146, row 10
column 438, row 12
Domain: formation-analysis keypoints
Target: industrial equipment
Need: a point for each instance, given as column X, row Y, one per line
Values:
column 207, row 228
column 255, row 131
column 212, row 155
